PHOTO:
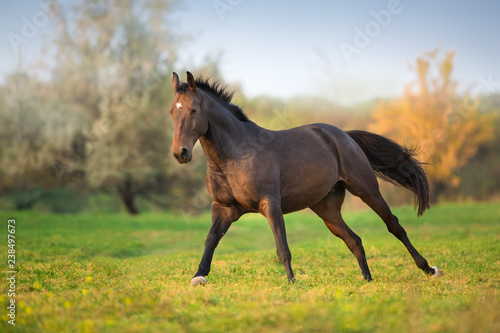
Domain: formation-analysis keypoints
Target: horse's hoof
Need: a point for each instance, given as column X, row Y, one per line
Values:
column 438, row 272
column 367, row 278
column 198, row 280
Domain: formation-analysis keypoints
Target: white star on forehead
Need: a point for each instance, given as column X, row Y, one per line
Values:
column 179, row 105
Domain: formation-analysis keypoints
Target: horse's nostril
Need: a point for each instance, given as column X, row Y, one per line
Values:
column 184, row 153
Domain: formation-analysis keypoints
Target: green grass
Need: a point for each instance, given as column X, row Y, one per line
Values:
column 116, row 273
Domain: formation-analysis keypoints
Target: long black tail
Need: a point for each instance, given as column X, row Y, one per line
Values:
column 395, row 164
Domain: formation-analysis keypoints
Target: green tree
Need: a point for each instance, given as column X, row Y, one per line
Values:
column 34, row 129
column 112, row 61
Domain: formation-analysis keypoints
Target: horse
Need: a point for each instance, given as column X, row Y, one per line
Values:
column 251, row 169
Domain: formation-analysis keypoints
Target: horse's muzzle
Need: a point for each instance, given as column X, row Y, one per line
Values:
column 184, row 156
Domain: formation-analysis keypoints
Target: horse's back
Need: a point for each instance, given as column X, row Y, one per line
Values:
column 331, row 141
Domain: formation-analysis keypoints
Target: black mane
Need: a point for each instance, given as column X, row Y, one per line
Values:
column 216, row 89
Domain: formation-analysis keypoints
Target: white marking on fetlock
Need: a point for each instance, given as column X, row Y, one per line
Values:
column 437, row 272
column 198, row 280
column 179, row 105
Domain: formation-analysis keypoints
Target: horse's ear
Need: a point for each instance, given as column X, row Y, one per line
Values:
column 175, row 82
column 191, row 82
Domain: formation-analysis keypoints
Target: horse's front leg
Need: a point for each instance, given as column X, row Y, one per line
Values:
column 222, row 218
column 271, row 209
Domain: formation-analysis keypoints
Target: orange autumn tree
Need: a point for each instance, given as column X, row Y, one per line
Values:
column 432, row 115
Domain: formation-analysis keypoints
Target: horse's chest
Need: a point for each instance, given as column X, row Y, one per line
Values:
column 219, row 189
column 234, row 190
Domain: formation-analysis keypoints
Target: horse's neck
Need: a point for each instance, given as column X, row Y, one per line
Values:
column 226, row 135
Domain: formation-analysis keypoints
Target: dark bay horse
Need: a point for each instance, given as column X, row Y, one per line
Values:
column 252, row 169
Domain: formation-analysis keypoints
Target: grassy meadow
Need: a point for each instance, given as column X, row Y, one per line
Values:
column 120, row 273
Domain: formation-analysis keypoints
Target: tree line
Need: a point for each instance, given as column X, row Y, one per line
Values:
column 91, row 119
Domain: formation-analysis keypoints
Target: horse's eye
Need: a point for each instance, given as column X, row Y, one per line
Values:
column 193, row 111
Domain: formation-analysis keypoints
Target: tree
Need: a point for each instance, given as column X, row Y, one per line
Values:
column 431, row 114
column 112, row 61
column 34, row 129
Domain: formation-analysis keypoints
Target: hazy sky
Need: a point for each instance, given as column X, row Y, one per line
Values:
column 349, row 51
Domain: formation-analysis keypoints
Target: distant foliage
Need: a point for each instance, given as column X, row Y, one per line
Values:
column 87, row 125
column 112, row 62
column 445, row 125
column 34, row 128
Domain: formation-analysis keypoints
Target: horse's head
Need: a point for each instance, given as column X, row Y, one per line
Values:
column 190, row 118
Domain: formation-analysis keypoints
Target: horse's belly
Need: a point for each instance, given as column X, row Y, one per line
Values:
column 303, row 189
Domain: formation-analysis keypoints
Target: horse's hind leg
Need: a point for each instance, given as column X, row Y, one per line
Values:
column 329, row 210
column 374, row 199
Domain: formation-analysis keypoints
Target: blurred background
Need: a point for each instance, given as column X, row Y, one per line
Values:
column 85, row 88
